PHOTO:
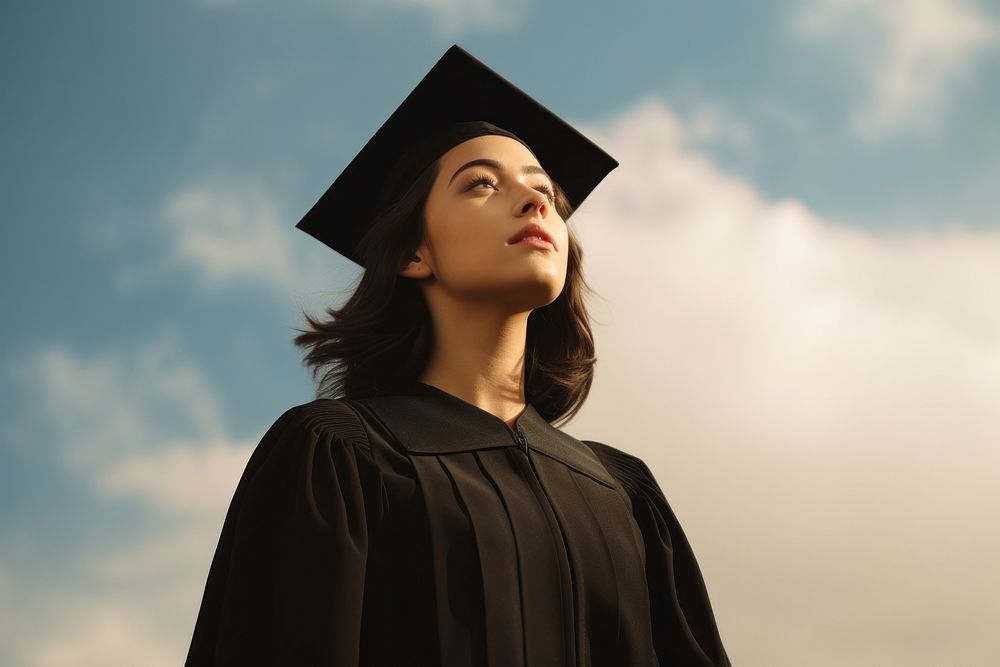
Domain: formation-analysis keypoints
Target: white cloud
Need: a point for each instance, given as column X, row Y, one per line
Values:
column 447, row 18
column 148, row 427
column 451, row 17
column 181, row 477
column 110, row 406
column 709, row 122
column 109, row 637
column 817, row 401
column 229, row 232
column 920, row 51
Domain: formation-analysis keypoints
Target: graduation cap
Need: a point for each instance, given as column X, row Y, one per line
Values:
column 459, row 98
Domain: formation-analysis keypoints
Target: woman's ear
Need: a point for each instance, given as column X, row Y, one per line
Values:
column 417, row 267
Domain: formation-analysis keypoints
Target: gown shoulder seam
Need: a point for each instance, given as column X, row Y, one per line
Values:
column 613, row 454
column 337, row 416
column 630, row 470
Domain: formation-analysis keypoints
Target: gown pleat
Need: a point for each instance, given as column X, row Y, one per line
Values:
column 497, row 558
column 547, row 594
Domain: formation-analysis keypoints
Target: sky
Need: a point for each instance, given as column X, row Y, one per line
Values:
column 797, row 262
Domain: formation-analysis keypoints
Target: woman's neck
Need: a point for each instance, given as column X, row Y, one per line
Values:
column 479, row 357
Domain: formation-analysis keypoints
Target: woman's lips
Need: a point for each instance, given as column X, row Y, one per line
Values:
column 536, row 242
column 533, row 229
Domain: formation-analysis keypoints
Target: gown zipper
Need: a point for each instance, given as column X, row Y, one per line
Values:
column 519, row 438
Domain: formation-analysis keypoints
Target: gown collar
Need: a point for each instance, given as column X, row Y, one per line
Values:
column 429, row 420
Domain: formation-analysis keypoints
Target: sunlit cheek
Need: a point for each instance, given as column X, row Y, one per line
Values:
column 465, row 258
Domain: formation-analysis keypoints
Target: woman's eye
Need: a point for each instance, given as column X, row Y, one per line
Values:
column 548, row 192
column 479, row 181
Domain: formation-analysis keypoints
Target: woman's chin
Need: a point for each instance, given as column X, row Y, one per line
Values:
column 534, row 294
column 519, row 289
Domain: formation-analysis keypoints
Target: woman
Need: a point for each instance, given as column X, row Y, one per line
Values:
column 424, row 510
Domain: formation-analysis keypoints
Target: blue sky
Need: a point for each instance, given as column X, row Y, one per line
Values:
column 814, row 182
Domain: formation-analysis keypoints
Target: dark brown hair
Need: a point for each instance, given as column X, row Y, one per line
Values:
column 382, row 337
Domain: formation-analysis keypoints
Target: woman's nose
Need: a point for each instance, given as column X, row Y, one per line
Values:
column 535, row 200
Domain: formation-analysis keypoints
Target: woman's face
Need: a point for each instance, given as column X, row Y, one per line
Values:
column 474, row 209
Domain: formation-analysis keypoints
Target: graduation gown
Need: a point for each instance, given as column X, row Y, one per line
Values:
column 419, row 529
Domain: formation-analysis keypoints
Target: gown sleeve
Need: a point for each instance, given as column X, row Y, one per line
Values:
column 286, row 584
column 684, row 627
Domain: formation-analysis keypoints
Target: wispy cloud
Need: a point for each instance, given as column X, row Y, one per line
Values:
column 106, row 407
column 710, row 123
column 228, row 232
column 446, row 18
column 914, row 53
column 111, row 635
column 452, row 17
column 182, row 477
column 146, row 429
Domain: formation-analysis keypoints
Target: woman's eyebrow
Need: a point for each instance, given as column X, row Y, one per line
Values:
column 487, row 162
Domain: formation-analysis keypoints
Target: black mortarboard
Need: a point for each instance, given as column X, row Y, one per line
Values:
column 457, row 89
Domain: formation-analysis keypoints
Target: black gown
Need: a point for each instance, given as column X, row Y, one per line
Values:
column 419, row 529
